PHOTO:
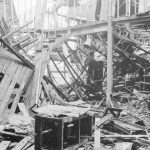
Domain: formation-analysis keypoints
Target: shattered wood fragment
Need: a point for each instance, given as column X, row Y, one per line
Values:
column 123, row 146
column 10, row 89
column 29, row 64
column 22, row 143
column 57, row 89
column 25, row 80
column 65, row 79
column 31, row 148
column 29, row 145
column 11, row 134
column 125, row 136
column 38, row 74
column 45, row 87
column 4, row 145
column 23, row 109
column 104, row 119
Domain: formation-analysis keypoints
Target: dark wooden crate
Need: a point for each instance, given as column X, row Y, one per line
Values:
column 61, row 133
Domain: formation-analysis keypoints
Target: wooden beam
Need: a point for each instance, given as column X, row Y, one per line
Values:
column 22, row 143
column 4, row 145
column 109, row 59
column 95, row 27
column 18, row 55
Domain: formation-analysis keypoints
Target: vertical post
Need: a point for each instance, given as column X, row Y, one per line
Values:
column 43, row 18
column 109, row 58
column 74, row 10
column 87, row 10
column 97, row 136
column 25, row 12
column 18, row 15
column 61, row 14
column 31, row 9
column 129, row 5
column 4, row 8
column 80, row 13
column 12, row 12
column 67, row 14
column 48, row 22
column 118, row 8
column 134, row 6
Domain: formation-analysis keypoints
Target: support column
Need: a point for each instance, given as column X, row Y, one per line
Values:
column 4, row 9
column 109, row 59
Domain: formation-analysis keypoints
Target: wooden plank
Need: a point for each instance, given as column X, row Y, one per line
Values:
column 45, row 86
column 29, row 145
column 42, row 95
column 10, row 89
column 97, row 133
column 5, row 66
column 23, row 109
column 146, row 83
column 104, row 119
column 22, row 143
column 7, row 79
column 28, row 95
column 1, row 63
column 11, row 134
column 28, row 80
column 18, row 92
column 21, row 75
column 125, row 136
column 38, row 75
column 22, row 84
column 31, row 148
column 4, row 145
column 19, row 81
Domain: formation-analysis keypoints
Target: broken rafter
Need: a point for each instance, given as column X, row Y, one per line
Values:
column 134, row 43
column 59, row 92
column 83, row 67
column 64, row 78
column 69, row 66
column 29, row 64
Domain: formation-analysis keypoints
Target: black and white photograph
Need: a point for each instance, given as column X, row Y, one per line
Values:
column 74, row 74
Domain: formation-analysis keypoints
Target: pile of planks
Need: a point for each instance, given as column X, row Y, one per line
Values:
column 15, row 78
column 17, row 133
